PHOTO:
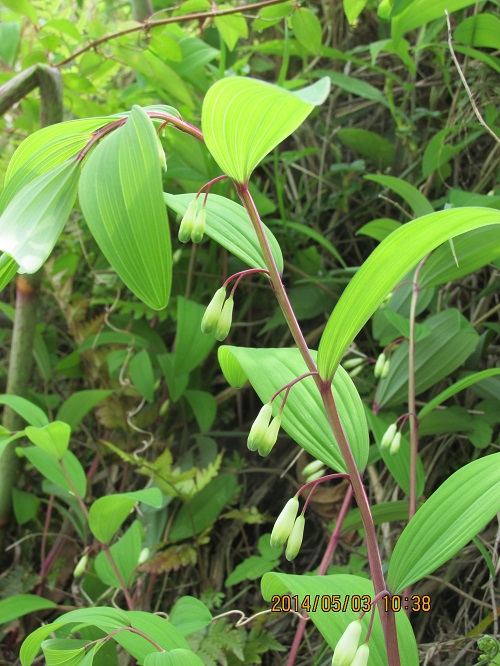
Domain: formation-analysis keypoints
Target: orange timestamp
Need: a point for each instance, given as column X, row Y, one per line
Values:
column 337, row 603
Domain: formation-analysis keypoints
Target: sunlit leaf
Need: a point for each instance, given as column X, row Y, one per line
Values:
column 107, row 514
column 243, row 119
column 52, row 438
column 122, row 201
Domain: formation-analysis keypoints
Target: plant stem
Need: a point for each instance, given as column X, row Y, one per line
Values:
column 123, row 586
column 387, row 619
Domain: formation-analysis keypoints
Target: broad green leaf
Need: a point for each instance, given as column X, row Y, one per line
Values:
column 379, row 229
column 243, row 119
column 6, row 440
column 419, row 12
column 398, row 465
column 52, row 438
column 355, row 86
column 107, row 514
column 189, row 615
column 8, row 268
column 271, row 15
column 191, row 345
column 251, row 568
column 386, row 512
column 25, row 506
column 23, row 7
column 26, row 410
column 34, row 218
column 369, row 144
column 419, row 204
column 382, row 271
column 154, row 626
column 304, row 417
column 231, row 28
column 352, row 9
column 333, row 624
column 125, row 553
column 63, row 651
column 455, row 388
column 22, row 604
column 177, row 657
column 122, row 201
column 482, row 30
column 142, row 375
column 437, row 355
column 204, row 407
column 449, row 519
column 10, row 31
column 79, row 404
column 229, row 225
column 473, row 250
column 52, row 469
column 176, row 383
column 307, row 29
column 204, row 508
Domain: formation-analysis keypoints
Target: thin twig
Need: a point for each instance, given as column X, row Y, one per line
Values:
column 466, row 85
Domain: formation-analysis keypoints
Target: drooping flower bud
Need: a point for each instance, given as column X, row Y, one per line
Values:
column 295, row 539
column 317, row 475
column 270, row 437
column 350, row 363
column 213, row 311
column 385, row 370
column 312, row 467
column 361, row 656
column 379, row 365
column 356, row 371
column 143, row 555
column 224, row 322
column 396, row 443
column 199, row 226
column 284, row 523
column 187, row 222
column 388, row 436
column 259, row 427
column 81, row 565
column 161, row 153
column 347, row 646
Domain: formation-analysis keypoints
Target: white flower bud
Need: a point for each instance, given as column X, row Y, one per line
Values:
column 81, row 566
column 259, row 427
column 161, row 154
column 199, row 226
column 312, row 468
column 213, row 311
column 361, row 656
column 356, row 371
column 347, row 646
column 284, row 523
column 143, row 555
column 295, row 538
column 317, row 475
column 350, row 363
column 385, row 370
column 379, row 365
column 187, row 222
column 224, row 322
column 388, row 436
column 396, row 443
column 270, row 437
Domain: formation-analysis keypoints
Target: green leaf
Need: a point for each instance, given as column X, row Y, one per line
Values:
column 449, row 519
column 473, row 250
column 382, row 271
column 451, row 342
column 386, row 512
column 125, row 553
column 191, row 345
column 25, row 506
column 63, row 651
column 204, row 509
column 370, row 145
column 355, row 86
column 157, row 628
column 107, row 514
column 79, row 404
column 333, row 624
column 8, row 268
column 189, row 615
column 34, row 218
column 419, row 204
column 455, row 388
column 26, row 410
column 229, row 225
column 52, row 438
column 252, row 568
column 52, row 469
column 304, row 417
column 307, row 29
column 22, row 604
column 318, row 237
column 352, row 9
column 482, row 30
column 243, row 119
column 177, row 657
column 379, row 229
column 419, row 12
column 204, row 407
column 23, row 7
column 10, row 32
column 231, row 28
column 122, row 201
column 142, row 375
